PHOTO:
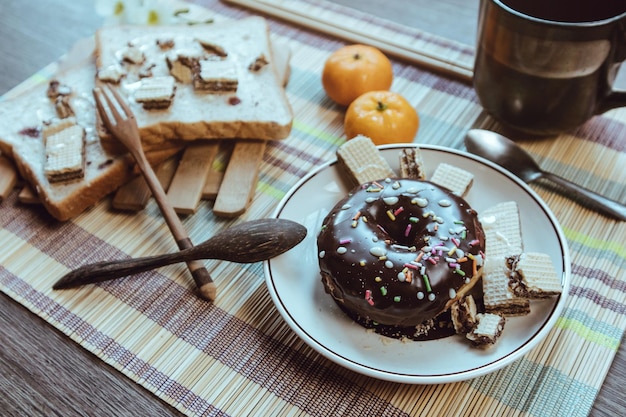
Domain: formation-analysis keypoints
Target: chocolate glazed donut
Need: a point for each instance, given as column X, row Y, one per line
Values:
column 398, row 252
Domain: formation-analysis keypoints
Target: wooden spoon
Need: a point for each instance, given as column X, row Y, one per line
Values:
column 248, row 242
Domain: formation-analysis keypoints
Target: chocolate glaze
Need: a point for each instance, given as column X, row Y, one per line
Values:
column 375, row 244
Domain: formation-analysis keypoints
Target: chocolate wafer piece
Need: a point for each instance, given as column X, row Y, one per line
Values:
column 463, row 314
column 216, row 76
column 156, row 92
column 488, row 330
column 182, row 65
column 112, row 73
column 132, row 54
column 65, row 150
column 362, row 160
column 453, row 178
column 499, row 298
column 533, row 275
column 503, row 233
column 412, row 164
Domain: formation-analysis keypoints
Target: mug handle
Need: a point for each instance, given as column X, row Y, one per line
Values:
column 614, row 100
column 617, row 99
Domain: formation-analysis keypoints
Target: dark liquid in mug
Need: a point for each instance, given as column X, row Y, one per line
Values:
column 562, row 105
column 571, row 11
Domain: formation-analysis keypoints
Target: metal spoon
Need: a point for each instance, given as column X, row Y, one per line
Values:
column 506, row 153
column 253, row 241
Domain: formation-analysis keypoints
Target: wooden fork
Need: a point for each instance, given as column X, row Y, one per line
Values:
column 119, row 119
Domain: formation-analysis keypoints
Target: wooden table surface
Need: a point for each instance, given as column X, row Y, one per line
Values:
column 42, row 372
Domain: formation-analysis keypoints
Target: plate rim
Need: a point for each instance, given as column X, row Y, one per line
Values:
column 412, row 378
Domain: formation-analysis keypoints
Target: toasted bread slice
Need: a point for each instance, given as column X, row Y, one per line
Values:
column 107, row 166
column 22, row 123
column 225, row 81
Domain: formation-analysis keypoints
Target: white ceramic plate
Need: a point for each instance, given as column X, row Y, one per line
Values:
column 293, row 280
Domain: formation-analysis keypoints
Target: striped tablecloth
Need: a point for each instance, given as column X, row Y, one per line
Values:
column 237, row 356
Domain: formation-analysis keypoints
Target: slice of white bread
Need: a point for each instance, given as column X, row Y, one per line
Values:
column 107, row 167
column 22, row 120
column 258, row 109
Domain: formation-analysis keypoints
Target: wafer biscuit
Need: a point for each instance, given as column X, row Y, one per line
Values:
column 503, row 233
column 411, row 164
column 64, row 151
column 463, row 314
column 533, row 275
column 216, row 76
column 212, row 47
column 132, row 54
column 182, row 66
column 487, row 331
column 155, row 92
column 112, row 73
column 453, row 178
column 258, row 63
column 498, row 296
column 362, row 160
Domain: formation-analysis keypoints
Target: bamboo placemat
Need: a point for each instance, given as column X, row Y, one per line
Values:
column 236, row 356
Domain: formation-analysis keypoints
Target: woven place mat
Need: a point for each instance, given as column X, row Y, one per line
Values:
column 358, row 27
column 237, row 356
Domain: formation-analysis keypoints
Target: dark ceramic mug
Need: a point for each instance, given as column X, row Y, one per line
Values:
column 547, row 66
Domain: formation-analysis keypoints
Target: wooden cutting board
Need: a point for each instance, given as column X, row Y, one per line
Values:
column 185, row 191
column 8, row 177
